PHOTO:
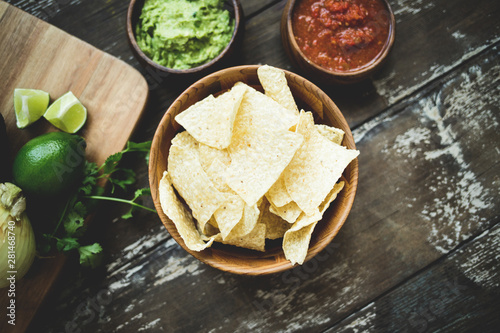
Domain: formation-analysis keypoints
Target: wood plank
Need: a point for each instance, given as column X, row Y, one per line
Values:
column 457, row 294
column 428, row 183
column 254, row 7
column 37, row 55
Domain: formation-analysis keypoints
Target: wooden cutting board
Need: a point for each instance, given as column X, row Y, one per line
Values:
column 34, row 54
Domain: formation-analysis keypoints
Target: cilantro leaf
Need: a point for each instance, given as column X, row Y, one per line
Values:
column 89, row 255
column 90, row 169
column 127, row 177
column 128, row 214
column 89, row 180
column 111, row 164
column 67, row 244
column 138, row 193
column 139, row 147
column 75, row 218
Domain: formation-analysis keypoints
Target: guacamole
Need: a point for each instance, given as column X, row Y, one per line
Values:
column 182, row 34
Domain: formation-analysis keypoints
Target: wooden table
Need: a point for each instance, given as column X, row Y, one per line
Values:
column 420, row 250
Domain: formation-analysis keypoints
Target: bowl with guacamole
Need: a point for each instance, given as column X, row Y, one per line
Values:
column 184, row 36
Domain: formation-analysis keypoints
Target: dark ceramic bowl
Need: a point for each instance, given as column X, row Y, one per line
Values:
column 234, row 8
column 330, row 76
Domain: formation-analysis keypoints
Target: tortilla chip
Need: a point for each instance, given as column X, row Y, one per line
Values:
column 296, row 239
column 180, row 216
column 305, row 220
column 296, row 244
column 316, row 166
column 255, row 240
column 260, row 111
column 258, row 157
column 277, row 194
column 258, row 116
column 229, row 214
column 210, row 121
column 212, row 222
column 335, row 135
column 247, row 223
column 331, row 196
column 275, row 225
column 209, row 154
column 193, row 184
column 274, row 82
column 184, row 139
column 217, row 174
column 289, row 212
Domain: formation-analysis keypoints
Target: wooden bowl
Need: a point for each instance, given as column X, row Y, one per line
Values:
column 133, row 14
column 237, row 260
column 329, row 76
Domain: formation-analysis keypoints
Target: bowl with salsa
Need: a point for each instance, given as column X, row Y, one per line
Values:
column 339, row 41
column 189, row 37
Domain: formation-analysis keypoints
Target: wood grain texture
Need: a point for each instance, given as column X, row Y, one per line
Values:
column 37, row 55
column 308, row 96
column 457, row 294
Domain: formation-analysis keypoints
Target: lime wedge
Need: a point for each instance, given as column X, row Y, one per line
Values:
column 67, row 113
column 29, row 105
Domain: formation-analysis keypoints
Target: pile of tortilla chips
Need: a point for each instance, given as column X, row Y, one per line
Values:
column 249, row 167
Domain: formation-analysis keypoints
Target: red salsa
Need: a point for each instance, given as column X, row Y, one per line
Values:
column 341, row 35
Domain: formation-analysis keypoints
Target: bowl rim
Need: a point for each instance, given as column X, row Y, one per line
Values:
column 361, row 71
column 279, row 266
column 238, row 16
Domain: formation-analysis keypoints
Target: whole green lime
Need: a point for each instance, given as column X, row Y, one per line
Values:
column 50, row 164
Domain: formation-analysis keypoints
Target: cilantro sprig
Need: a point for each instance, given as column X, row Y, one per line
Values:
column 111, row 166
column 138, row 193
column 82, row 203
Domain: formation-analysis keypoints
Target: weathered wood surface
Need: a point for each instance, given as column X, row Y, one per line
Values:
column 458, row 294
column 425, row 218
